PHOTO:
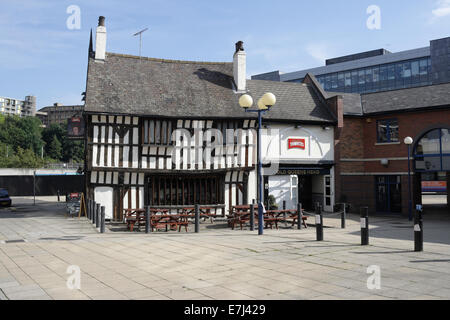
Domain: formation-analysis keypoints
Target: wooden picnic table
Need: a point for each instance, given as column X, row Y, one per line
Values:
column 275, row 216
column 137, row 216
column 241, row 214
column 205, row 212
column 170, row 220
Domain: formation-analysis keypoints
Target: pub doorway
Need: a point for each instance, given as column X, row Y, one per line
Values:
column 307, row 186
column 305, row 192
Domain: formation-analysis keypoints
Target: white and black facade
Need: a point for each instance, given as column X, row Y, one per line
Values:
column 172, row 133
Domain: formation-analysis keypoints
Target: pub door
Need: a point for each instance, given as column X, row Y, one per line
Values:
column 305, row 192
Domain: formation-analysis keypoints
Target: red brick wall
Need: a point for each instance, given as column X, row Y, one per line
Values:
column 358, row 140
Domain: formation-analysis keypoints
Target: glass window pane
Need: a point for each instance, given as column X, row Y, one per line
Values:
column 423, row 68
column 429, row 144
column 445, row 140
column 361, row 77
column 354, row 78
column 341, row 82
column 393, row 130
column 387, row 131
column 391, row 72
column 383, row 73
column 406, row 69
column 369, row 76
column 376, row 74
column 328, row 82
column 415, row 68
column 432, row 163
column 348, row 79
column 382, row 132
column 446, row 164
column 334, row 81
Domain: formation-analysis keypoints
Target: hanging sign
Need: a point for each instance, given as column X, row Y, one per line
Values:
column 75, row 127
column 296, row 144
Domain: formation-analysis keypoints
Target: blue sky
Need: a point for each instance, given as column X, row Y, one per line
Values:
column 39, row 55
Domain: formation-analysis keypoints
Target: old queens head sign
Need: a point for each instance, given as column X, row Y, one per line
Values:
column 296, row 144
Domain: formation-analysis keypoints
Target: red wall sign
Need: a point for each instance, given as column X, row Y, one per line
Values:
column 296, row 144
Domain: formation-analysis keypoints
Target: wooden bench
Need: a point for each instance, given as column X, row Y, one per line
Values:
column 241, row 215
column 172, row 221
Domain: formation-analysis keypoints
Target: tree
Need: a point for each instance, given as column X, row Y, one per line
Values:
column 72, row 150
column 22, row 158
column 25, row 133
column 55, row 148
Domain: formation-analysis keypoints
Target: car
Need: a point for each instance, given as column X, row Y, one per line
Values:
column 5, row 200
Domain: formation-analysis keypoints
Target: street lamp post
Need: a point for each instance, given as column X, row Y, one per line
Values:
column 264, row 104
column 409, row 141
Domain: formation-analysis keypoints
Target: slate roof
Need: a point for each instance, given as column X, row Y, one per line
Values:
column 352, row 102
column 169, row 88
column 407, row 99
column 294, row 101
column 396, row 100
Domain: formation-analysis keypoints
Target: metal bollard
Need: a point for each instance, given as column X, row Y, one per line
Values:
column 57, row 192
column 319, row 223
column 197, row 218
column 97, row 215
column 147, row 219
column 364, row 226
column 343, row 216
column 418, row 229
column 299, row 216
column 102, row 220
column 88, row 208
column 93, row 211
column 252, row 216
column 284, row 214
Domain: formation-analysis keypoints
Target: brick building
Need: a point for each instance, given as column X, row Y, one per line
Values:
column 384, row 97
column 372, row 159
column 58, row 113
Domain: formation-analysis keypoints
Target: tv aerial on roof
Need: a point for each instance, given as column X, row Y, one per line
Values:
column 140, row 40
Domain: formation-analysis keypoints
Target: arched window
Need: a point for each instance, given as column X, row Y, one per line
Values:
column 432, row 152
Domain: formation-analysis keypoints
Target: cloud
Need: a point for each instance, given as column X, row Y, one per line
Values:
column 319, row 51
column 443, row 9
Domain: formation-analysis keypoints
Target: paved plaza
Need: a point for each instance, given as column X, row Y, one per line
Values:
column 38, row 244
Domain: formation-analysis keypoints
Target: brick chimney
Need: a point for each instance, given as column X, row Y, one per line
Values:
column 239, row 67
column 100, row 40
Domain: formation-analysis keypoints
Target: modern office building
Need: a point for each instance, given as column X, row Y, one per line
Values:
column 386, row 97
column 378, row 70
column 58, row 113
column 21, row 108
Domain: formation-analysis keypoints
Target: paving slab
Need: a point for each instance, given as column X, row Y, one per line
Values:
column 218, row 263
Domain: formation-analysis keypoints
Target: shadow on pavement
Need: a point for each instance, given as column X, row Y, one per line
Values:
column 436, row 226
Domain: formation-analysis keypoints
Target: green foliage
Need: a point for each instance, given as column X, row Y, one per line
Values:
column 22, row 158
column 25, row 144
column 272, row 203
column 25, row 133
column 55, row 148
column 71, row 149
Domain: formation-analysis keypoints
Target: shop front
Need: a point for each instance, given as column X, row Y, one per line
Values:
column 303, row 172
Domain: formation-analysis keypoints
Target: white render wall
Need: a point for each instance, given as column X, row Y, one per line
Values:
column 319, row 143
